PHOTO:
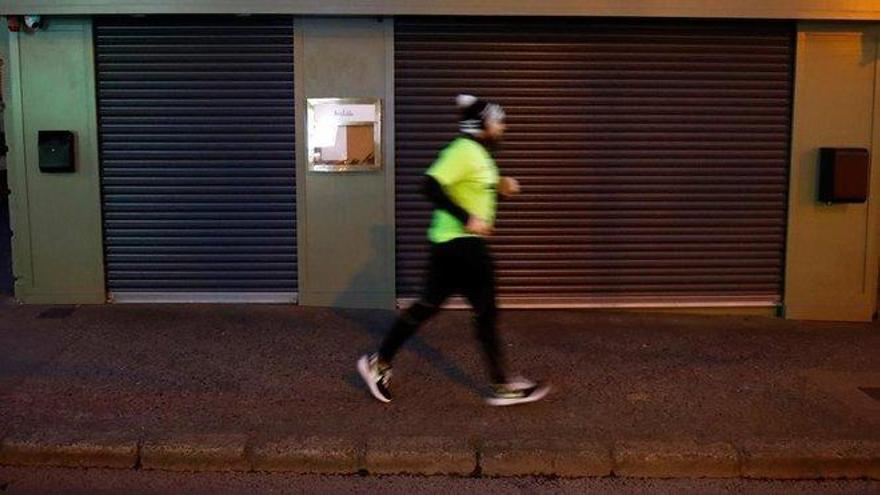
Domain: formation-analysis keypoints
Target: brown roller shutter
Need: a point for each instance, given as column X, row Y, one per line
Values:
column 653, row 155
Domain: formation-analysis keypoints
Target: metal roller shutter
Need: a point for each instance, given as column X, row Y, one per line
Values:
column 197, row 155
column 653, row 155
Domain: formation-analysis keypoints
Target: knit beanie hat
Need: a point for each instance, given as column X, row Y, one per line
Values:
column 475, row 113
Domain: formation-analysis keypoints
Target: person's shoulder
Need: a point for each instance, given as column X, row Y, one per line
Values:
column 469, row 143
column 465, row 146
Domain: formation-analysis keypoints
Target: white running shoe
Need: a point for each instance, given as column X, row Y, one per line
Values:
column 377, row 379
column 517, row 391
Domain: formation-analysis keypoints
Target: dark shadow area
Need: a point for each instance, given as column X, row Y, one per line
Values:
column 5, row 245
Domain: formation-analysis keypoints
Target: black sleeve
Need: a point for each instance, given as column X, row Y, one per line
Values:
column 437, row 196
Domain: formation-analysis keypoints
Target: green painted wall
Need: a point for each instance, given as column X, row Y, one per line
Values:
column 831, row 262
column 4, row 89
column 345, row 220
column 56, row 219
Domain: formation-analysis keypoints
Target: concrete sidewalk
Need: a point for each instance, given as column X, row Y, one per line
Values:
column 273, row 388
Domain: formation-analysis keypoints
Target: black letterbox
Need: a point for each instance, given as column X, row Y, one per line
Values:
column 56, row 151
column 843, row 175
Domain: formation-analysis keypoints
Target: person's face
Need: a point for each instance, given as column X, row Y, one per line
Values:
column 495, row 129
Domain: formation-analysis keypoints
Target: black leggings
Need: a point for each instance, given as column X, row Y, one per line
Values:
column 461, row 265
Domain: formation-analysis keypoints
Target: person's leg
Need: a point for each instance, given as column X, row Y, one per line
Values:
column 438, row 286
column 479, row 289
column 405, row 326
column 375, row 368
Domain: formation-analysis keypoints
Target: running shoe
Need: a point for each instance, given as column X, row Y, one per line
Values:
column 517, row 391
column 375, row 376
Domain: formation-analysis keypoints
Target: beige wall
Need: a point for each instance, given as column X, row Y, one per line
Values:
column 832, row 255
column 345, row 220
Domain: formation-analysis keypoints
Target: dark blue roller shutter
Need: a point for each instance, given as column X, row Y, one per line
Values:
column 197, row 154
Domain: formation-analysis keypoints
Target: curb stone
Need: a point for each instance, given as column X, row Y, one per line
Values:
column 764, row 459
column 546, row 457
column 679, row 459
column 308, row 455
column 68, row 449
column 219, row 452
column 420, row 455
column 806, row 459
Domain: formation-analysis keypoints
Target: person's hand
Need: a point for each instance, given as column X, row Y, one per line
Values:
column 508, row 187
column 478, row 226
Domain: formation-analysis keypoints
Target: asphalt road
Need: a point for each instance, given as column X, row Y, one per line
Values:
column 32, row 481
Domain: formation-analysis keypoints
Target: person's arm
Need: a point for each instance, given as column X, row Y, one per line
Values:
column 440, row 200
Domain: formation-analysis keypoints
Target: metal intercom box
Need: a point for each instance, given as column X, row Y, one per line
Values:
column 843, row 175
column 56, row 152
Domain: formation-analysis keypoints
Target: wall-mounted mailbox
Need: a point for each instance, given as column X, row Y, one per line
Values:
column 843, row 175
column 56, row 152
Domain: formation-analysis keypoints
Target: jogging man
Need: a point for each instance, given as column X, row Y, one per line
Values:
column 462, row 185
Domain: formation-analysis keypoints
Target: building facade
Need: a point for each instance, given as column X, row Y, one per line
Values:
column 669, row 154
